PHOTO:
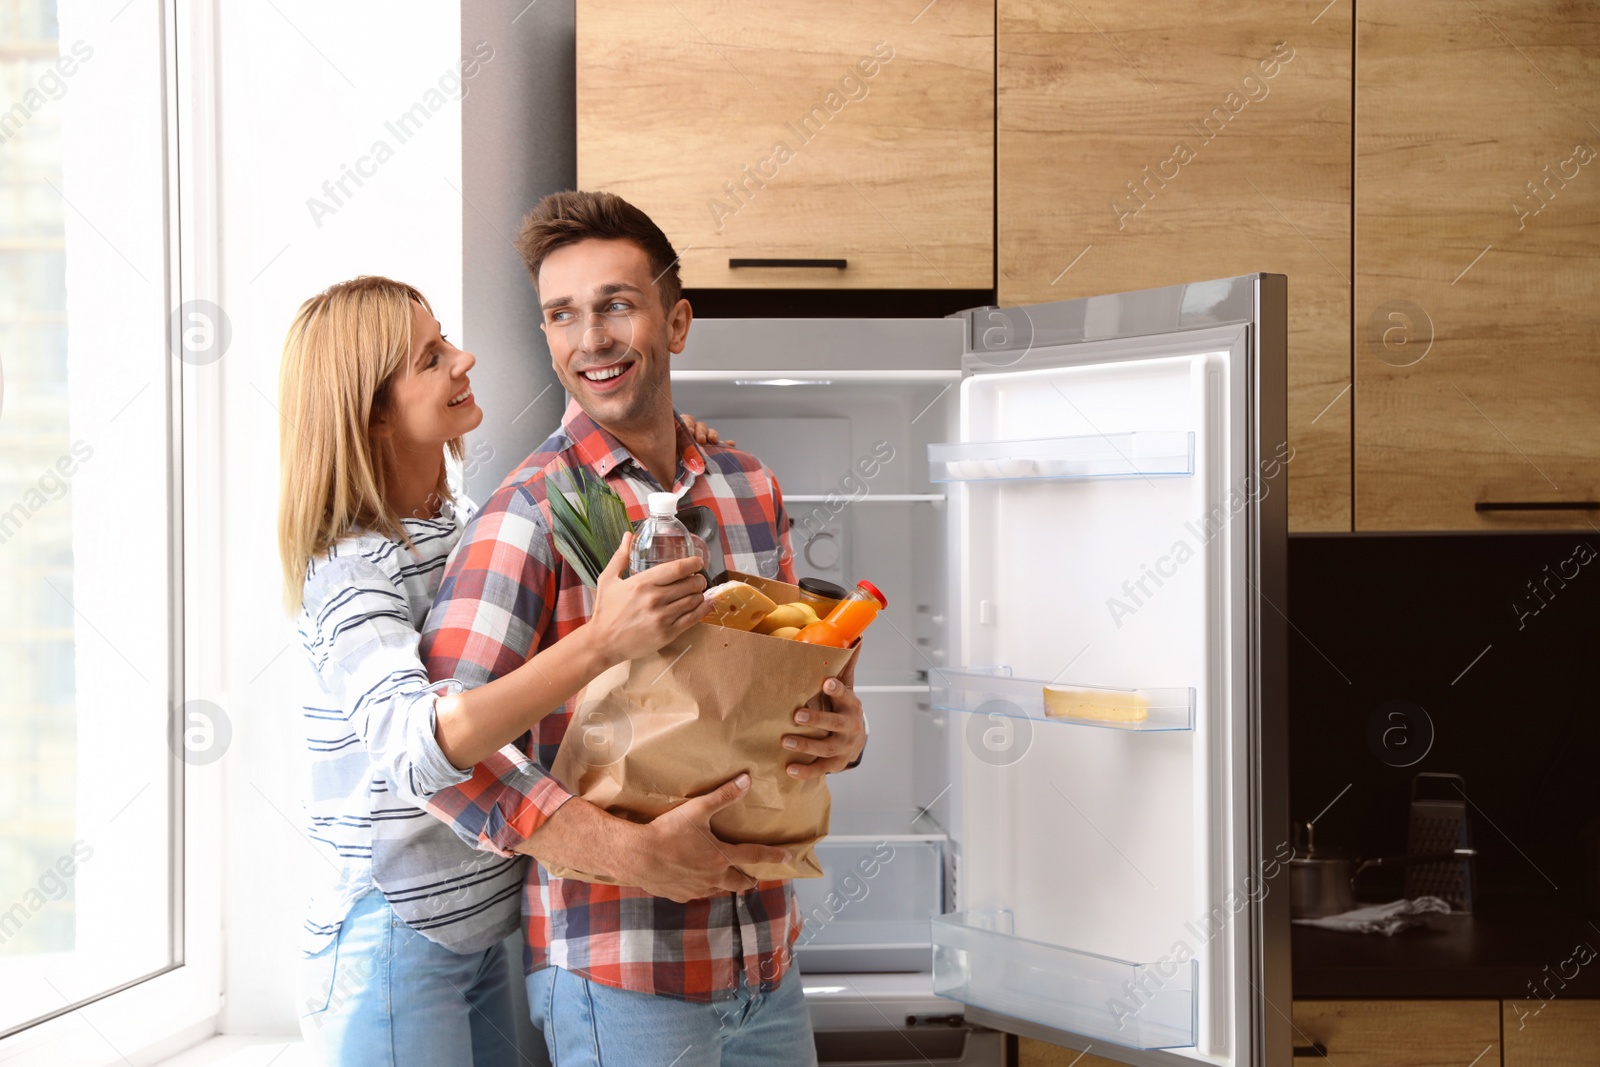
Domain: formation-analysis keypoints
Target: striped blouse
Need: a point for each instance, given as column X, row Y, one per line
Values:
column 374, row 759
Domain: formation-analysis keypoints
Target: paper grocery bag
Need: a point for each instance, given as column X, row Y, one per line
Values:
column 649, row 734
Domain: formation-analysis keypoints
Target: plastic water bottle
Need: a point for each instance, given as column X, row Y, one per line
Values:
column 661, row 538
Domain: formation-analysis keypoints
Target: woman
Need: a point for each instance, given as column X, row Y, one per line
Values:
column 404, row 961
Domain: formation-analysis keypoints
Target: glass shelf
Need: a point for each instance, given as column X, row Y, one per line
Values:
column 804, row 377
column 978, row 960
column 882, row 681
column 876, row 824
column 869, row 498
column 993, row 691
column 1140, row 453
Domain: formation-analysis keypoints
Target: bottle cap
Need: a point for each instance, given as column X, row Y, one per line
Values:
column 872, row 591
column 662, row 505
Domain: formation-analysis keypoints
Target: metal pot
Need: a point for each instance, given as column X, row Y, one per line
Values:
column 1322, row 883
column 1319, row 882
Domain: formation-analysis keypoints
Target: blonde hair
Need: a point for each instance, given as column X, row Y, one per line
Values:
column 344, row 347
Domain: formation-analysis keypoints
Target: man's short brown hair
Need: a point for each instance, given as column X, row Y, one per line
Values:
column 561, row 219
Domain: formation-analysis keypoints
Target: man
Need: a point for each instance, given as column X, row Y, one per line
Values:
column 686, row 961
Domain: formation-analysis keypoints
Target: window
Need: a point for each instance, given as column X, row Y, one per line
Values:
column 89, row 782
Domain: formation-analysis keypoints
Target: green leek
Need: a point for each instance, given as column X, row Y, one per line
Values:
column 588, row 523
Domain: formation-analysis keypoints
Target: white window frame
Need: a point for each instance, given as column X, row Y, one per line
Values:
column 154, row 1017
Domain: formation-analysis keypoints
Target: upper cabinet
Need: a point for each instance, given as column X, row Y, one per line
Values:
column 858, row 138
column 1428, row 179
column 1477, row 265
column 1152, row 143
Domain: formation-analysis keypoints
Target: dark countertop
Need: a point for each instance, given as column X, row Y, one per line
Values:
column 1531, row 787
column 1503, row 951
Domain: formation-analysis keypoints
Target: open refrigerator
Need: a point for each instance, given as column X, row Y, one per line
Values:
column 1086, row 495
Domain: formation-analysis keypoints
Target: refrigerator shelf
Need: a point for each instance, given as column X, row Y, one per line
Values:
column 1136, row 454
column 813, row 377
column 978, row 960
column 870, row 498
column 872, row 825
column 993, row 691
column 885, row 681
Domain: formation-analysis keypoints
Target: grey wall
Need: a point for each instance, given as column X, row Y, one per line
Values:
column 519, row 142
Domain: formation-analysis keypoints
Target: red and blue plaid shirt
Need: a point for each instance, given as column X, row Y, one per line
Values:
column 508, row 594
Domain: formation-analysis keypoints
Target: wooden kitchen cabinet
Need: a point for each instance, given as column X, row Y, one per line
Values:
column 1370, row 1033
column 1031, row 1053
column 1401, row 1033
column 1477, row 264
column 1561, row 1033
column 1153, row 143
column 851, row 131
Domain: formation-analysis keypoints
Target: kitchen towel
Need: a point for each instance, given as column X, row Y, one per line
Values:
column 1386, row 919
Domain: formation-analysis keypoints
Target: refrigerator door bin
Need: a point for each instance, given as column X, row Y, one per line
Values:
column 993, row 691
column 979, row 961
column 1140, row 453
column 869, row 911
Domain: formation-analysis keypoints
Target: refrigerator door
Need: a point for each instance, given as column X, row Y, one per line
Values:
column 1117, row 526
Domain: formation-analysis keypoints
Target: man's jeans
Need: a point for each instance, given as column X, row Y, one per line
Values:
column 383, row 995
column 587, row 1024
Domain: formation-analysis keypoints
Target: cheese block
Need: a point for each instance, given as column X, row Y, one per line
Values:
column 1103, row 705
column 738, row 606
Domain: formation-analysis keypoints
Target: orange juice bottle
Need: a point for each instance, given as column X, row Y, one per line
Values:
column 848, row 620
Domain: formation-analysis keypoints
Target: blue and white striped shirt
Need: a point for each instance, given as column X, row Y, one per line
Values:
column 374, row 758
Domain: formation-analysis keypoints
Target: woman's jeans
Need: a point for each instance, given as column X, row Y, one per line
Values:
column 383, row 995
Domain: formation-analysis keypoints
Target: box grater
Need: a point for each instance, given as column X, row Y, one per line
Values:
column 1439, row 824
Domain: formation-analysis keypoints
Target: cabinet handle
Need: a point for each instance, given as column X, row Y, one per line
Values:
column 1537, row 505
column 1316, row 1048
column 826, row 264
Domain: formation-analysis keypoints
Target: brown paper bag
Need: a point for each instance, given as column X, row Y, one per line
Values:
column 649, row 734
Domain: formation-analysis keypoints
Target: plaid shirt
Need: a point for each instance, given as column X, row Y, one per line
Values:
column 508, row 593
